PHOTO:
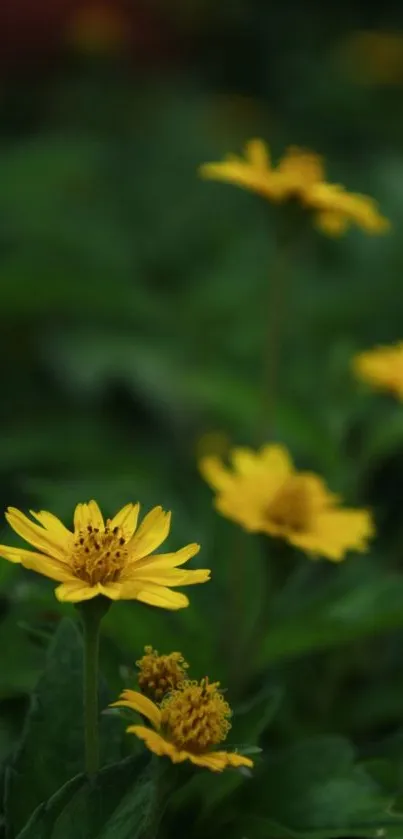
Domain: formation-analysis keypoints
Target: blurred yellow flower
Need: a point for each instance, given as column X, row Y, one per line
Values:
column 187, row 726
column 160, row 674
column 372, row 57
column 382, row 368
column 265, row 494
column 114, row 559
column 299, row 176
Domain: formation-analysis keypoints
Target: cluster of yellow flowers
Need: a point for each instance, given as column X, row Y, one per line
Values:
column 189, row 719
column 261, row 491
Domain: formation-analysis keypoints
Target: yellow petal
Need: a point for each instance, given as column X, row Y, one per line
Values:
column 277, row 460
column 47, row 566
column 76, row 590
column 245, row 461
column 154, row 595
column 251, row 515
column 111, row 590
column 210, row 760
column 81, row 517
column 258, row 154
column 126, row 518
column 140, row 703
column 164, row 561
column 234, row 759
column 54, row 525
column 12, row 554
column 96, row 517
column 152, row 532
column 35, row 535
column 156, row 743
column 170, row 577
column 215, row 473
column 88, row 514
column 335, row 532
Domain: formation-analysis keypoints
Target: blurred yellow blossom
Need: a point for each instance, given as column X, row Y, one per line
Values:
column 299, row 176
column 372, row 57
column 188, row 725
column 264, row 493
column 113, row 558
column 382, row 367
column 160, row 674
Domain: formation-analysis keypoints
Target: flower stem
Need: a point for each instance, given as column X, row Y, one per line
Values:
column 287, row 236
column 272, row 344
column 92, row 612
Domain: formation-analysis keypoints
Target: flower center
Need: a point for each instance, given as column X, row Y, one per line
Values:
column 99, row 555
column 160, row 674
column 195, row 717
column 291, row 507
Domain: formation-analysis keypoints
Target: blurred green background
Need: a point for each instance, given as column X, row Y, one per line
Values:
column 133, row 309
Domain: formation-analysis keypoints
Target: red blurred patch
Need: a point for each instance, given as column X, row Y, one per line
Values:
column 34, row 32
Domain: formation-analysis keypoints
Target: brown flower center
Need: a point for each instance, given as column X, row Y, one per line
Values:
column 195, row 717
column 291, row 507
column 99, row 554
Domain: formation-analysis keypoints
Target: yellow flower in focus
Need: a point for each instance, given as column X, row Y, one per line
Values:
column 265, row 494
column 382, row 368
column 299, row 176
column 160, row 674
column 187, row 726
column 113, row 558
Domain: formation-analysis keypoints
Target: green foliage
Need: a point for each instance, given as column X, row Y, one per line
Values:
column 117, row 804
column 134, row 308
column 51, row 748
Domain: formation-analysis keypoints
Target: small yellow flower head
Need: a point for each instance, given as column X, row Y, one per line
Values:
column 265, row 494
column 299, row 176
column 196, row 716
column 188, row 725
column 160, row 674
column 113, row 558
column 382, row 368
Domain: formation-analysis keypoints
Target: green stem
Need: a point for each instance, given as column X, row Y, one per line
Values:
column 273, row 337
column 290, row 229
column 92, row 612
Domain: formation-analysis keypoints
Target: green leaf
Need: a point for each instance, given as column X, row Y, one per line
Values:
column 316, row 787
column 118, row 804
column 43, row 819
column 51, row 750
column 371, row 604
column 262, row 828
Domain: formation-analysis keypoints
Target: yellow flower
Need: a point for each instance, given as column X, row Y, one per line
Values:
column 114, row 558
column 265, row 494
column 299, row 176
column 160, row 674
column 382, row 367
column 187, row 726
column 372, row 57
